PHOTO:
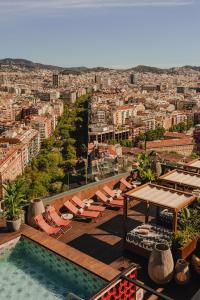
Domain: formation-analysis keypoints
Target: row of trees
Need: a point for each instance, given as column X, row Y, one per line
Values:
column 182, row 127
column 123, row 143
column 60, row 154
column 151, row 135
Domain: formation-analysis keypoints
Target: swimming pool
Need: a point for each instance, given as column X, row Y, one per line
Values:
column 30, row 271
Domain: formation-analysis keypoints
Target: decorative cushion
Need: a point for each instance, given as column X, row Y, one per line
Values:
column 142, row 231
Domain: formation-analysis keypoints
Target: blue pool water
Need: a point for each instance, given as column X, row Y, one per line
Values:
column 31, row 272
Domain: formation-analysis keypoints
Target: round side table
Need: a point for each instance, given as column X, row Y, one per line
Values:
column 67, row 216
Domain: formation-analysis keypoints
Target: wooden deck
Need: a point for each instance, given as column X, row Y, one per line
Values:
column 6, row 236
column 99, row 248
column 103, row 241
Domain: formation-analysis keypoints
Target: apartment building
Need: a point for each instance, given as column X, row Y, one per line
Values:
column 146, row 120
column 11, row 164
column 125, row 112
column 27, row 137
column 43, row 124
column 7, row 113
column 58, row 107
column 178, row 117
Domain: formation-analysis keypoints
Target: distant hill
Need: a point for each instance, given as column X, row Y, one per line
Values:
column 192, row 68
column 27, row 64
column 175, row 70
column 13, row 63
column 149, row 69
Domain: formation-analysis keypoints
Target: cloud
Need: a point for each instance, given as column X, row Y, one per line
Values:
column 17, row 6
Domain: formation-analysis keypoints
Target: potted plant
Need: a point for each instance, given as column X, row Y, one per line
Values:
column 14, row 200
column 185, row 242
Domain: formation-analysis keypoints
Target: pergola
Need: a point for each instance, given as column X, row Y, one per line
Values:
column 193, row 166
column 181, row 179
column 159, row 196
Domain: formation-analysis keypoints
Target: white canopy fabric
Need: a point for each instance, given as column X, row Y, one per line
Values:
column 162, row 196
column 194, row 163
column 182, row 177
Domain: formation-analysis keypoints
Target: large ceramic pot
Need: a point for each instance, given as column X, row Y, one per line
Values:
column 182, row 272
column 13, row 225
column 36, row 208
column 196, row 263
column 161, row 264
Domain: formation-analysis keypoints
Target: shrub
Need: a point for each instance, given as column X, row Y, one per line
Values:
column 182, row 238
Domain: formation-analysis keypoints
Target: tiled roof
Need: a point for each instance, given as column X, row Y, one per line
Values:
column 170, row 143
column 175, row 135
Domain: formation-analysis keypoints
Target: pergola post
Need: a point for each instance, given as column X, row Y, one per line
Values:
column 125, row 214
column 147, row 212
column 175, row 221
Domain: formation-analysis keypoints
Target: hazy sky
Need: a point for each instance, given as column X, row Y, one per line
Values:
column 116, row 33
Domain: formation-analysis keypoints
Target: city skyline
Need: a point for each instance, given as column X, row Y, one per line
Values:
column 114, row 33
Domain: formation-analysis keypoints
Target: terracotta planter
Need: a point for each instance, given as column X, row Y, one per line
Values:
column 185, row 251
column 36, row 208
column 182, row 272
column 161, row 264
column 13, row 225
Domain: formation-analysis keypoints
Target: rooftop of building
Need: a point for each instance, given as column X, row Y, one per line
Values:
column 98, row 246
column 170, row 143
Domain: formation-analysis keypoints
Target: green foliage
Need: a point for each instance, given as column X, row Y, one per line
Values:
column 198, row 201
column 185, row 214
column 151, row 135
column 183, row 237
column 112, row 142
column 194, row 155
column 126, row 143
column 47, row 173
column 188, row 227
column 147, row 175
column 14, row 199
column 144, row 168
column 56, row 187
column 182, row 127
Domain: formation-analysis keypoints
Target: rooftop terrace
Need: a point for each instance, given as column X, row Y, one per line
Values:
column 99, row 246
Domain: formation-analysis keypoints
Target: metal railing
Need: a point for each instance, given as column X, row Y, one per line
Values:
column 146, row 288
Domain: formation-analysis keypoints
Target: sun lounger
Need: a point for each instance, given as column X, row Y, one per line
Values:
column 81, row 213
column 126, row 184
column 91, row 207
column 112, row 193
column 54, row 216
column 109, row 201
column 44, row 226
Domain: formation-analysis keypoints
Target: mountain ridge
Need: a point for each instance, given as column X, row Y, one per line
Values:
column 30, row 65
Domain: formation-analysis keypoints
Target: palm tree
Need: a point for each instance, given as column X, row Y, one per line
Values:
column 148, row 175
